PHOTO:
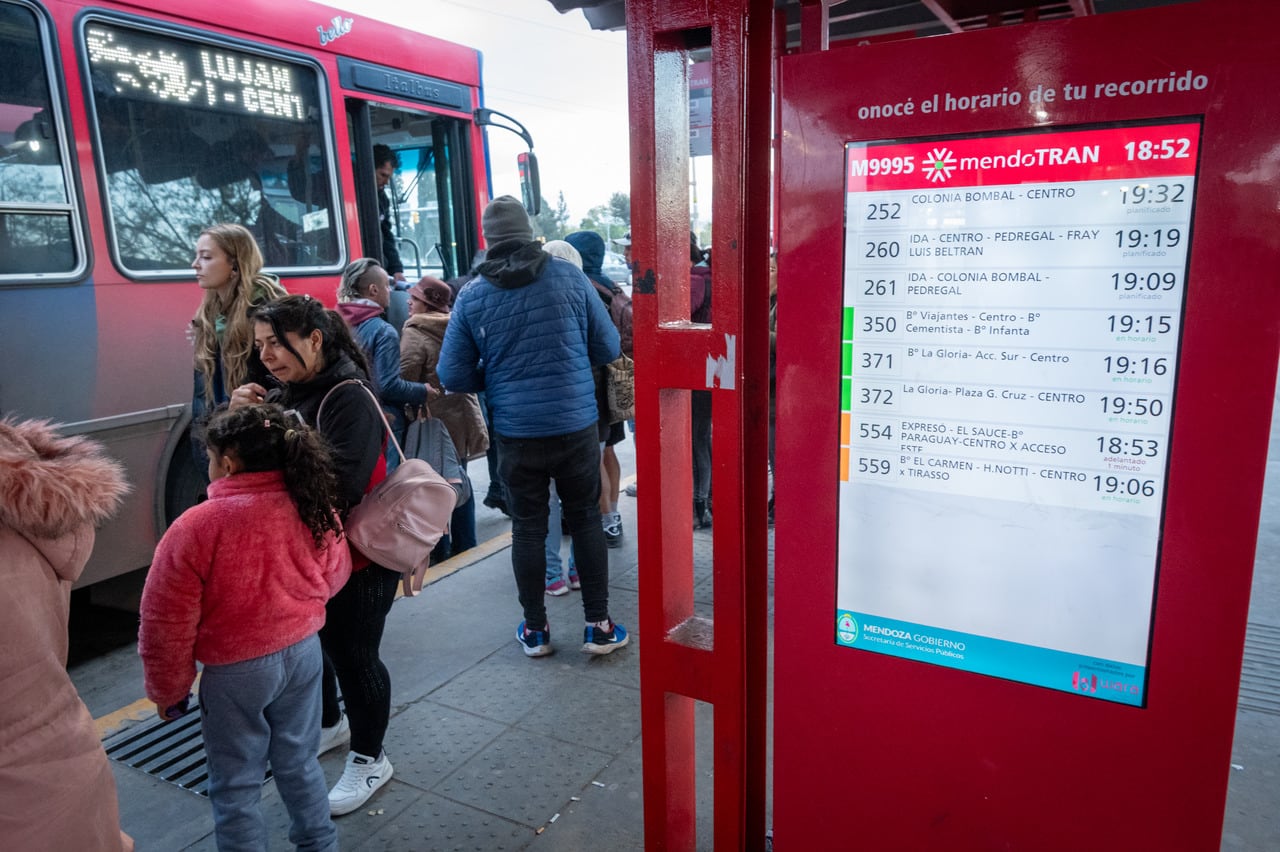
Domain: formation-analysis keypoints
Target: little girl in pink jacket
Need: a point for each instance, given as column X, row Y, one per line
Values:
column 239, row 582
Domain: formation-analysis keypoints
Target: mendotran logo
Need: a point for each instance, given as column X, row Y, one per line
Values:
column 939, row 163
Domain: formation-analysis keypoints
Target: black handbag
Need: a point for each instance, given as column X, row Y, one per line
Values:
column 427, row 438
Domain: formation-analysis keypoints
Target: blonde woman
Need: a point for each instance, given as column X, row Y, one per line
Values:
column 228, row 265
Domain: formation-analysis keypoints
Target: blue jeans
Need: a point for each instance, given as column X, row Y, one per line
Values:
column 266, row 710
column 528, row 465
column 554, row 534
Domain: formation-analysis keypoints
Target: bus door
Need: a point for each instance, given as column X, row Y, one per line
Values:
column 427, row 201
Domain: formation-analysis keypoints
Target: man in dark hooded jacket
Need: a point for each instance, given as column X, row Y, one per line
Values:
column 591, row 246
column 527, row 331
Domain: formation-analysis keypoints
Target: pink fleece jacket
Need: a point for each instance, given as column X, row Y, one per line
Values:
column 236, row 577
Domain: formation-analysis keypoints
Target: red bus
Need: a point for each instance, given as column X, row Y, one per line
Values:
column 127, row 127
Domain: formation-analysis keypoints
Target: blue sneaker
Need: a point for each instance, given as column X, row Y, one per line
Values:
column 596, row 640
column 535, row 643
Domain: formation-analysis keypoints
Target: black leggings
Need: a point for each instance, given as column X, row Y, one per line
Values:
column 352, row 633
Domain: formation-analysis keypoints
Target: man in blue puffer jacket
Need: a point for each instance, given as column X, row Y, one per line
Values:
column 527, row 331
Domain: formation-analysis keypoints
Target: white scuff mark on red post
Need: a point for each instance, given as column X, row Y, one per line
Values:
column 722, row 370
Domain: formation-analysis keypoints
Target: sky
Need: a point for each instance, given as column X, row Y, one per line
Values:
column 566, row 83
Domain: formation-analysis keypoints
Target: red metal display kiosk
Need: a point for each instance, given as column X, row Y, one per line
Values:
column 1028, row 325
column 717, row 658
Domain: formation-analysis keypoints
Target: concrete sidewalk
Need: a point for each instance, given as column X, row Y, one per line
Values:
column 495, row 751
column 492, row 750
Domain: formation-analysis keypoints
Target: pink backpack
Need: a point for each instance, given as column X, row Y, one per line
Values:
column 399, row 521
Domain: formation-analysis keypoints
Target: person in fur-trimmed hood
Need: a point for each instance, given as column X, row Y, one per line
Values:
column 56, row 788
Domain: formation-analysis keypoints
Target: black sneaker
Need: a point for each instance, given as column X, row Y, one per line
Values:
column 598, row 641
column 701, row 515
column 534, row 643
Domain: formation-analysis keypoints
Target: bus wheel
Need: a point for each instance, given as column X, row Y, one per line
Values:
column 186, row 483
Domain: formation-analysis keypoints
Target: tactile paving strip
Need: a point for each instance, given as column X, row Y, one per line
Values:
column 523, row 776
column 430, row 740
column 444, row 826
column 1260, row 677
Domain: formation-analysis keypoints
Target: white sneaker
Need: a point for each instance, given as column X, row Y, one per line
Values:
column 612, row 524
column 331, row 738
column 361, row 778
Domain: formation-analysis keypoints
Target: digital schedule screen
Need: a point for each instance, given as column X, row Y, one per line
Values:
column 1011, row 319
column 158, row 68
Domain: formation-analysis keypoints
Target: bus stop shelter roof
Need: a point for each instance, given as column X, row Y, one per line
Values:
column 860, row 19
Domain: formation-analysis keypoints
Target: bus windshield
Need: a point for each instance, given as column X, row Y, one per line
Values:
column 196, row 132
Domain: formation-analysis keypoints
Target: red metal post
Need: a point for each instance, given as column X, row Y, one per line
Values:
column 815, row 19
column 721, row 660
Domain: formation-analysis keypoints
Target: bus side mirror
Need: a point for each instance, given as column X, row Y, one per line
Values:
column 530, row 183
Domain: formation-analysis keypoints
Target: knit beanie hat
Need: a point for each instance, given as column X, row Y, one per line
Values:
column 505, row 219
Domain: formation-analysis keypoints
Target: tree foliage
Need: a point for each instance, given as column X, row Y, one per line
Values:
column 620, row 207
column 610, row 220
column 552, row 224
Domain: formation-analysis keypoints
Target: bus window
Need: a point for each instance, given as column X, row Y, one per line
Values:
column 192, row 133
column 427, row 207
column 38, row 222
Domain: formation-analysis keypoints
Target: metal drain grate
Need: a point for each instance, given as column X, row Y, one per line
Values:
column 1260, row 677
column 170, row 751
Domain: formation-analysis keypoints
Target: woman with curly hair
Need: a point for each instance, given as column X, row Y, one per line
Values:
column 228, row 265
column 318, row 369
column 240, row 583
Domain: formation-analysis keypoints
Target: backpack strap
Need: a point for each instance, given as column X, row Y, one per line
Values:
column 376, row 407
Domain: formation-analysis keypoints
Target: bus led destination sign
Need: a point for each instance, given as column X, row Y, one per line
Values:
column 1012, row 312
column 162, row 69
